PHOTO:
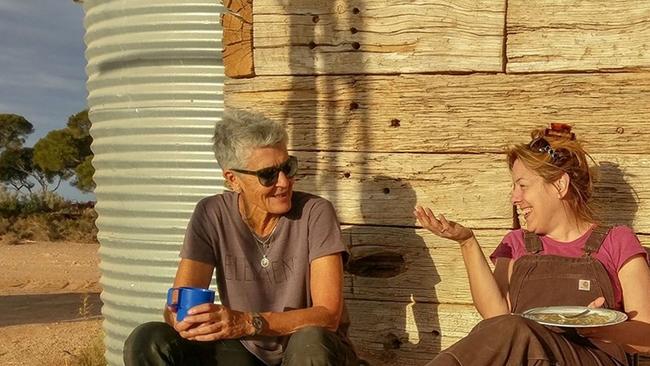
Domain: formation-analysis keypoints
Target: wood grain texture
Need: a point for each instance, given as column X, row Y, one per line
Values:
column 294, row 37
column 433, row 270
column 398, row 321
column 451, row 113
column 237, row 23
column 394, row 333
column 558, row 35
column 433, row 267
column 474, row 189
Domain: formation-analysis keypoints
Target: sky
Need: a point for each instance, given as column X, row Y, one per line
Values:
column 42, row 66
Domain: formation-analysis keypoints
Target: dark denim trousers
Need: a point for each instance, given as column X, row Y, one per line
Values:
column 157, row 344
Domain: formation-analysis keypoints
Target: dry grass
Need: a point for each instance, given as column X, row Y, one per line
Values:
column 92, row 355
column 45, row 217
column 78, row 228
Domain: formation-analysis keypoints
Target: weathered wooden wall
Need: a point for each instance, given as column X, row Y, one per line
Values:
column 390, row 104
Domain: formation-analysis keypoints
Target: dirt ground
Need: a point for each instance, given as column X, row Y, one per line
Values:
column 49, row 302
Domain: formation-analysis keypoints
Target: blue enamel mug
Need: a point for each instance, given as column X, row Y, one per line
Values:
column 185, row 298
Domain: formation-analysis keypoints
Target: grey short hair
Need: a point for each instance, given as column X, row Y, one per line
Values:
column 240, row 132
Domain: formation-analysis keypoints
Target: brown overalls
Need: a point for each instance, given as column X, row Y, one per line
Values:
column 541, row 280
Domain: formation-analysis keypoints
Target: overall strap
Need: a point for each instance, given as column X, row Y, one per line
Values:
column 595, row 240
column 533, row 243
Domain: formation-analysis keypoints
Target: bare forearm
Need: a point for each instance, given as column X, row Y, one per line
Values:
column 288, row 322
column 485, row 292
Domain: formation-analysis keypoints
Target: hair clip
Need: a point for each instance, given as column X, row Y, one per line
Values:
column 561, row 130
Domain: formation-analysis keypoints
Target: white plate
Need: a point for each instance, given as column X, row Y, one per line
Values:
column 595, row 317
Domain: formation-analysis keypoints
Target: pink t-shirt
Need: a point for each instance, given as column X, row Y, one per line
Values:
column 619, row 245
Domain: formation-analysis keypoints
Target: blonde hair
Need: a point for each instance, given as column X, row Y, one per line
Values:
column 564, row 154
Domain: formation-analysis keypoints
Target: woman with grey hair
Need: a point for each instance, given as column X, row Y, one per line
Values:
column 278, row 259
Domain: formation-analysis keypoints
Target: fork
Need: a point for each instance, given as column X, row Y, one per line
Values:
column 575, row 315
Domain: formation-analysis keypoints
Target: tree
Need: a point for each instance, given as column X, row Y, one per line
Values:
column 66, row 152
column 84, row 175
column 79, row 125
column 57, row 153
column 17, row 169
column 61, row 154
column 13, row 131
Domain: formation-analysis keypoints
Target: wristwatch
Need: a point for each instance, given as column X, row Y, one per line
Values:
column 257, row 322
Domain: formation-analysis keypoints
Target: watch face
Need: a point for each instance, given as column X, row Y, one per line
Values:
column 258, row 323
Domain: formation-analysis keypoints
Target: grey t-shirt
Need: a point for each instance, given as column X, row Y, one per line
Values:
column 217, row 235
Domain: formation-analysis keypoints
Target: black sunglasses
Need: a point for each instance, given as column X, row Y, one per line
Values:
column 269, row 176
column 540, row 145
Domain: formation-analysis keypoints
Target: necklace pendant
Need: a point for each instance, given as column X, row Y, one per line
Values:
column 265, row 262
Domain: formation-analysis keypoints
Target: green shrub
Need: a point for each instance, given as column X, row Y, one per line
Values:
column 5, row 225
column 31, row 228
column 9, row 203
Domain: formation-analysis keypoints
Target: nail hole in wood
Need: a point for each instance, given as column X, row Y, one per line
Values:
column 354, row 30
column 356, row 45
column 315, row 19
column 346, row 174
column 356, row 10
column 620, row 130
column 391, row 341
column 394, row 122
column 354, row 105
column 312, row 45
column 386, row 190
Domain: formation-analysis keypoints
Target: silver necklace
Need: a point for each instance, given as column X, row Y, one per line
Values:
column 263, row 245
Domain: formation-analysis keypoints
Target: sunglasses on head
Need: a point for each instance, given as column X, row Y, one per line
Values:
column 540, row 145
column 269, row 176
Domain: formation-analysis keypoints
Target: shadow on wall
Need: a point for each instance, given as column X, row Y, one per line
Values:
column 394, row 264
column 391, row 270
column 616, row 200
column 323, row 34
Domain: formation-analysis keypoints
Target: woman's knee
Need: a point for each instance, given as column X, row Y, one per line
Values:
column 312, row 346
column 507, row 324
column 148, row 338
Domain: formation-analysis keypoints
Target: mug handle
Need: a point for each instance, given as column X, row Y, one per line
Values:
column 173, row 294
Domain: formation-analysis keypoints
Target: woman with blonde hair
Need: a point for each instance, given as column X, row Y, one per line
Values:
column 564, row 257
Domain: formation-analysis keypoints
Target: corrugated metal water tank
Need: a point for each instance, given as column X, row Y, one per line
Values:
column 155, row 82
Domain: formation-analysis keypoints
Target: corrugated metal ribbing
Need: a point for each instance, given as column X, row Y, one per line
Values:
column 155, row 81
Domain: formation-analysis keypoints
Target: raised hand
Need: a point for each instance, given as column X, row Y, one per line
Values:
column 441, row 226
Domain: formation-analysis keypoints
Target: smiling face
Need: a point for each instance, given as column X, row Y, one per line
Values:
column 259, row 200
column 537, row 201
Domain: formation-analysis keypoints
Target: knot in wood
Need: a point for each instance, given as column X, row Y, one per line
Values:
column 381, row 264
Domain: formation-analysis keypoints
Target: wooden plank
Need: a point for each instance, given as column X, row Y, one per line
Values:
column 430, row 269
column 556, row 35
column 237, row 23
column 392, row 333
column 381, row 188
column 368, row 188
column 444, row 113
column 408, row 264
column 297, row 37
